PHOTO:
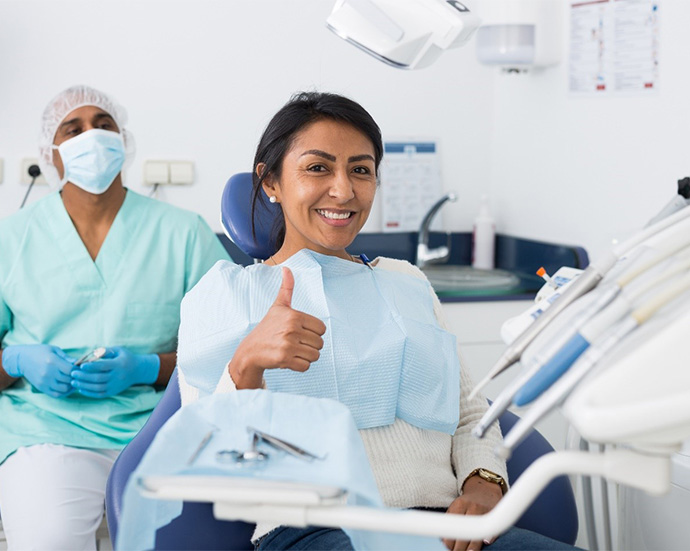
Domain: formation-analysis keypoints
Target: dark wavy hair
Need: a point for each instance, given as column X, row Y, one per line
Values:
column 302, row 109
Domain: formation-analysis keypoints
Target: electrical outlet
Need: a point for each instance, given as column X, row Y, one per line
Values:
column 24, row 176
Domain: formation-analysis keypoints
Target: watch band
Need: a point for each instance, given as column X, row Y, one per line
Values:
column 489, row 476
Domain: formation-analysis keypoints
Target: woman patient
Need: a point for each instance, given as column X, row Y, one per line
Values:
column 313, row 319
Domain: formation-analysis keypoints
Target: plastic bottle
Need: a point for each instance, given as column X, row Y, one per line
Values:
column 483, row 238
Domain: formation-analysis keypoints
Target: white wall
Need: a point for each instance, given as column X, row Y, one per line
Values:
column 586, row 170
column 201, row 78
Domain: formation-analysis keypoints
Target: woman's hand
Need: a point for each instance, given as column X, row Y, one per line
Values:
column 478, row 497
column 285, row 338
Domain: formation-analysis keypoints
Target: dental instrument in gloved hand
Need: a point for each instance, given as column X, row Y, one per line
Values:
column 117, row 370
column 92, row 356
column 45, row 366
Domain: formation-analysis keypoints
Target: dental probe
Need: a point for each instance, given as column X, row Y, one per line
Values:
column 569, row 344
column 204, row 441
column 566, row 384
column 280, row 444
column 589, row 279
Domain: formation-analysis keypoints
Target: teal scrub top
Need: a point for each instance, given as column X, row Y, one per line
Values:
column 52, row 292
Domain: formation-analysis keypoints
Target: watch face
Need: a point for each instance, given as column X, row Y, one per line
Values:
column 491, row 477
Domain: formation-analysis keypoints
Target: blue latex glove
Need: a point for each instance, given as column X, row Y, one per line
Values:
column 45, row 366
column 116, row 371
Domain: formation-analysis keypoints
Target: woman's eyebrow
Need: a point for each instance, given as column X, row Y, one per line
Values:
column 353, row 159
column 364, row 157
column 319, row 153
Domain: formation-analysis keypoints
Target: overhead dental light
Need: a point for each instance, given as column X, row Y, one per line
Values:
column 408, row 34
column 518, row 35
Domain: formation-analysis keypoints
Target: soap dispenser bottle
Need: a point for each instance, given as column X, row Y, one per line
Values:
column 483, row 237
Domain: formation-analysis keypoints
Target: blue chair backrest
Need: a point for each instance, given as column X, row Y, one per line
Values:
column 236, row 217
column 552, row 514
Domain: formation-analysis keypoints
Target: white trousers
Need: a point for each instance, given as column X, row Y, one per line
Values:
column 52, row 497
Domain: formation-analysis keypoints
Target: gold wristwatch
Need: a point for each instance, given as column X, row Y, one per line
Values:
column 489, row 476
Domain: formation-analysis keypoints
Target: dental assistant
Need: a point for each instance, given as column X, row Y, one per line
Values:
column 91, row 265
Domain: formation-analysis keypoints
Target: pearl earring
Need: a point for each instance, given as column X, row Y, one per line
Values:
column 272, row 199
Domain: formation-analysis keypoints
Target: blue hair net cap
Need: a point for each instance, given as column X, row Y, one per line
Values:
column 62, row 105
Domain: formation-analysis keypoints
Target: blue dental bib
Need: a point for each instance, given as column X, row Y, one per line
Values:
column 384, row 354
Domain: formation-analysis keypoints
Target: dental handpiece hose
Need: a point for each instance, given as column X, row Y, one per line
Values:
column 679, row 244
column 583, row 284
column 679, row 201
column 532, row 366
column 560, row 391
column 589, row 279
column 585, row 334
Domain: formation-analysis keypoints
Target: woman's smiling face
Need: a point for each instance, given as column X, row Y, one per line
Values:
column 326, row 188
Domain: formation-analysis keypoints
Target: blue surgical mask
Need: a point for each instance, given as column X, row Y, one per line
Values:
column 92, row 159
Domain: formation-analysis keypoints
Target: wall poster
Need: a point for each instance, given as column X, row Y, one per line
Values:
column 614, row 46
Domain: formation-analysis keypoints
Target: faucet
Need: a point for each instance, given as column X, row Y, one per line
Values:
column 425, row 255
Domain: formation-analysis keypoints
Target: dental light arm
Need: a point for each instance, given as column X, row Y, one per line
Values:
column 407, row 35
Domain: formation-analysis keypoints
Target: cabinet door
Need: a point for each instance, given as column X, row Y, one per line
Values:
column 477, row 326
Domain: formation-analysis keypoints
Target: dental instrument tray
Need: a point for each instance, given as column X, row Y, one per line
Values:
column 240, row 490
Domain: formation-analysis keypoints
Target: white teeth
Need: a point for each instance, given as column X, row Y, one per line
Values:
column 334, row 215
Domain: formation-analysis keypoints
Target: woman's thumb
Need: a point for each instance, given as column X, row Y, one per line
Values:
column 284, row 297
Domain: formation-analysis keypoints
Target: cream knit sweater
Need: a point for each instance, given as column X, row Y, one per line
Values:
column 414, row 467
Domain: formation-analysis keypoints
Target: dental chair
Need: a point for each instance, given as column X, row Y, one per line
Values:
column 552, row 514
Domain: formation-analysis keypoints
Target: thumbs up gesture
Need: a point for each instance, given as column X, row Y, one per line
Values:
column 285, row 338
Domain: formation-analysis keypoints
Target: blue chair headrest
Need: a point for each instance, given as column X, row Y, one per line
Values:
column 235, row 216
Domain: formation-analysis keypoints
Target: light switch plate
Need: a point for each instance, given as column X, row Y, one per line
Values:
column 156, row 172
column 181, row 173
